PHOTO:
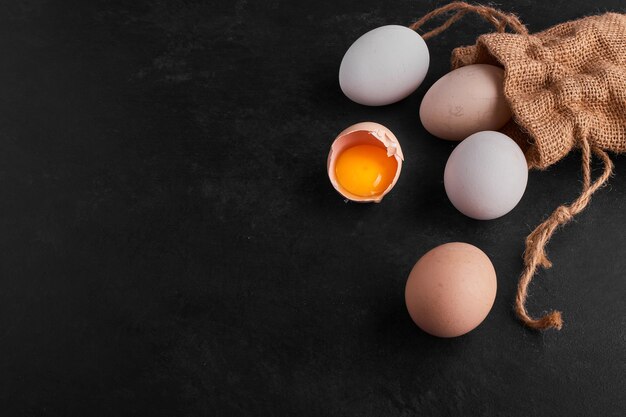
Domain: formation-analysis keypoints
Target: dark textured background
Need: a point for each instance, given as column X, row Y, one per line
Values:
column 170, row 244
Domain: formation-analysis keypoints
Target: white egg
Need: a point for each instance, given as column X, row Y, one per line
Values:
column 486, row 175
column 384, row 66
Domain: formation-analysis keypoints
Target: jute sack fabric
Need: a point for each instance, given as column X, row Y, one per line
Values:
column 566, row 87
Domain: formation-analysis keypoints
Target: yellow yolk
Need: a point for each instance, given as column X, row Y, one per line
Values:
column 365, row 170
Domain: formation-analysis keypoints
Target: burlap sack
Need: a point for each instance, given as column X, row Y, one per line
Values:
column 566, row 87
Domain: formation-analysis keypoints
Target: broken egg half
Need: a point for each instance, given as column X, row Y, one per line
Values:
column 364, row 162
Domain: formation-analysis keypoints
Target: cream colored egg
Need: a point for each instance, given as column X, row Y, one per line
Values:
column 465, row 101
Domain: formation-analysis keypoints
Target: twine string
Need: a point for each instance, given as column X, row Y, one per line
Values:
column 500, row 20
column 535, row 255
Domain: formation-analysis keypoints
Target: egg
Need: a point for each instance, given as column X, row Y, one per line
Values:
column 467, row 100
column 384, row 66
column 451, row 289
column 364, row 162
column 486, row 175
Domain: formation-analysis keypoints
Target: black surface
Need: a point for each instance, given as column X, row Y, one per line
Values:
column 171, row 246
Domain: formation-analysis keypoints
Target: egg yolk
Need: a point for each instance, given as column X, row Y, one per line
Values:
column 365, row 170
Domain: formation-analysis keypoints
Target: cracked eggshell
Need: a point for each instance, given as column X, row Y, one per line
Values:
column 467, row 100
column 360, row 134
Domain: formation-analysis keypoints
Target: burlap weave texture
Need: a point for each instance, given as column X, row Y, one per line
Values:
column 564, row 85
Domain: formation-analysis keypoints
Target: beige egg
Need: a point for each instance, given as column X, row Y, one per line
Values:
column 369, row 176
column 467, row 100
column 451, row 289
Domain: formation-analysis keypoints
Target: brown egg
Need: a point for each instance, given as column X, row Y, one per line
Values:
column 451, row 289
